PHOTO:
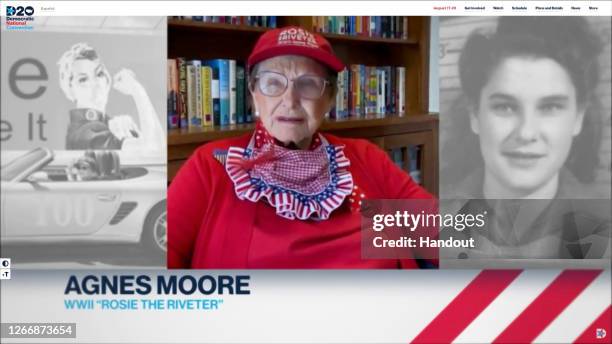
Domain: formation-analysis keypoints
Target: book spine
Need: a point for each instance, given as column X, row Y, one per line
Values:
column 398, row 89
column 402, row 91
column 215, row 91
column 348, row 87
column 362, row 90
column 413, row 163
column 385, row 27
column 339, row 95
column 182, row 99
column 345, row 97
column 365, row 89
column 232, row 91
column 379, row 91
column 393, row 91
column 199, row 101
column 372, row 90
column 173, row 118
column 347, row 25
column 372, row 26
column 240, row 94
column 355, row 90
column 386, row 89
column 397, row 28
column 207, row 106
column 192, row 97
column 224, row 91
column 397, row 157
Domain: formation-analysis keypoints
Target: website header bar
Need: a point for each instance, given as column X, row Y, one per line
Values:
column 419, row 8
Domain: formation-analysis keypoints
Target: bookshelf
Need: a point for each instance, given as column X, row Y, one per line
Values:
column 203, row 40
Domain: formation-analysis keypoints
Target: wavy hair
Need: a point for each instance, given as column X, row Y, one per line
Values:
column 567, row 40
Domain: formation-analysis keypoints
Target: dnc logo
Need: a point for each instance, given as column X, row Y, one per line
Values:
column 19, row 11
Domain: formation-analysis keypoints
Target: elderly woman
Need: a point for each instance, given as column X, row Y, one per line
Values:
column 531, row 137
column 286, row 195
column 86, row 82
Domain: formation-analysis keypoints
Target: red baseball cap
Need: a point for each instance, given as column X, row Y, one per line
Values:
column 293, row 40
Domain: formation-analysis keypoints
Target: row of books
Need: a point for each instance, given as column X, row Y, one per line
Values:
column 399, row 158
column 371, row 26
column 204, row 93
column 366, row 90
column 257, row 21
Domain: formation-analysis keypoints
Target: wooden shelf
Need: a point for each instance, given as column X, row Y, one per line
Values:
column 205, row 134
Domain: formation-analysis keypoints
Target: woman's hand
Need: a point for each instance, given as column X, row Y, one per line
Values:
column 123, row 127
column 125, row 82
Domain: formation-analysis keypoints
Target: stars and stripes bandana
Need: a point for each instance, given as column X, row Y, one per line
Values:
column 303, row 184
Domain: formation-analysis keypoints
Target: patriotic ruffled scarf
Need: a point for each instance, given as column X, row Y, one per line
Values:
column 303, row 184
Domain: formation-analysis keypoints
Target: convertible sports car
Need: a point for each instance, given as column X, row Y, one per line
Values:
column 49, row 199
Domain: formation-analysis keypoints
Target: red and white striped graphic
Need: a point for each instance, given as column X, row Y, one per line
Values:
column 516, row 306
column 348, row 306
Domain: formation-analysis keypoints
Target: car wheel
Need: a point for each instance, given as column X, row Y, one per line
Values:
column 154, row 235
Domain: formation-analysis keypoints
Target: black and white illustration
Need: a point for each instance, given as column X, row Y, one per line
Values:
column 525, row 134
column 85, row 81
column 84, row 142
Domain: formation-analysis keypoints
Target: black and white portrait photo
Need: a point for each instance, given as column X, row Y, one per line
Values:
column 525, row 134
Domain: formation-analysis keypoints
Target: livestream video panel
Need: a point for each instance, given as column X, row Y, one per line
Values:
column 168, row 177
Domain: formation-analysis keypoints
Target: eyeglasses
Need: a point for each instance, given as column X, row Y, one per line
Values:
column 273, row 84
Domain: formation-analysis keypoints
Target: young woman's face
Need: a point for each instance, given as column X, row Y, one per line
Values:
column 90, row 84
column 526, row 120
column 289, row 116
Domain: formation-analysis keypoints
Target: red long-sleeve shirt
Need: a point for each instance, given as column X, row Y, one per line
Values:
column 210, row 227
